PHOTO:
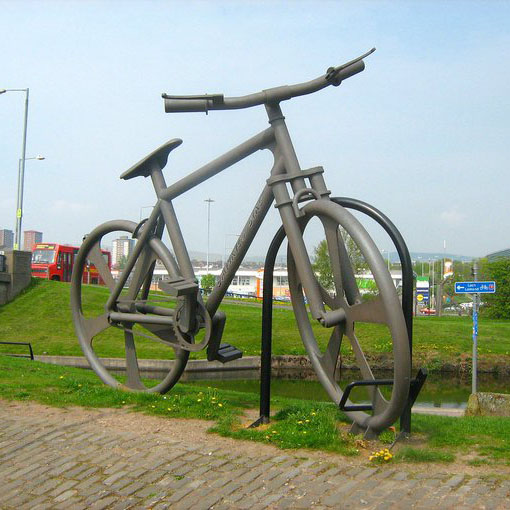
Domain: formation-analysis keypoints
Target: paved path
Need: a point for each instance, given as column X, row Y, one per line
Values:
column 111, row 459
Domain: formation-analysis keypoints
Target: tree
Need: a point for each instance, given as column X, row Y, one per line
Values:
column 497, row 306
column 207, row 282
column 322, row 263
column 121, row 264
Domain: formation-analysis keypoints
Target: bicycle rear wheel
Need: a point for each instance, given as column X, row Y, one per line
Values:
column 94, row 329
column 381, row 307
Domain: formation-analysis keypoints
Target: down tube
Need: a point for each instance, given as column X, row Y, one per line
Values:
column 241, row 247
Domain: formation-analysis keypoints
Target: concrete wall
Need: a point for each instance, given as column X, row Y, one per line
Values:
column 16, row 276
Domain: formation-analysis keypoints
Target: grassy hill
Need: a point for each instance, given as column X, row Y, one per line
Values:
column 42, row 316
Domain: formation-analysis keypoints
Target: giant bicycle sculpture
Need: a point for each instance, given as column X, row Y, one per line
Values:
column 185, row 323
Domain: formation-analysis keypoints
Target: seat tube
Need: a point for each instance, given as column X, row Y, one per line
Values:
column 172, row 225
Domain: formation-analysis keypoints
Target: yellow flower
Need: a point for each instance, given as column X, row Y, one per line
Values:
column 199, row 400
column 220, row 405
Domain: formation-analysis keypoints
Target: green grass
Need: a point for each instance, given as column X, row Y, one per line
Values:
column 296, row 424
column 410, row 454
column 41, row 315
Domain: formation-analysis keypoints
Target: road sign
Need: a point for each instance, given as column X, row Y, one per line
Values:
column 422, row 297
column 475, row 287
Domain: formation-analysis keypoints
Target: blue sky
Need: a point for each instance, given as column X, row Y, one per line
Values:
column 422, row 133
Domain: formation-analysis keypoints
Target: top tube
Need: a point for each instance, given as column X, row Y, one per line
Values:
column 203, row 103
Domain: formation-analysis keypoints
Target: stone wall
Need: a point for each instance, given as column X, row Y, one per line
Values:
column 16, row 276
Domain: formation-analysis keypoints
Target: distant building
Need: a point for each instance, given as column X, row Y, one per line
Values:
column 6, row 239
column 121, row 248
column 503, row 254
column 31, row 237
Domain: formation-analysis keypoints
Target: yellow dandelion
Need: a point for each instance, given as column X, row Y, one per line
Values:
column 220, row 405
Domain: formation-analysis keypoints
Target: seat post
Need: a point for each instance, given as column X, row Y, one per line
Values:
column 157, row 177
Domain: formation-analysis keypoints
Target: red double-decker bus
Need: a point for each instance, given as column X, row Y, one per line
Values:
column 53, row 261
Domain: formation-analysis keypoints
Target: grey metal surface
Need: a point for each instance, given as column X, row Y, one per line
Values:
column 87, row 328
column 384, row 309
column 338, row 313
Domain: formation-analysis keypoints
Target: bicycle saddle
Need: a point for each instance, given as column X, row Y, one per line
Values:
column 160, row 155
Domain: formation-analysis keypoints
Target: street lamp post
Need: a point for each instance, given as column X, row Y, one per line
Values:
column 19, row 205
column 209, row 202
column 21, row 176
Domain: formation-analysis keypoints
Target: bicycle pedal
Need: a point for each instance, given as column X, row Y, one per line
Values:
column 218, row 325
column 179, row 287
column 227, row 353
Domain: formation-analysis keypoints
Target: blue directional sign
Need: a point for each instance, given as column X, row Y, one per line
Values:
column 475, row 287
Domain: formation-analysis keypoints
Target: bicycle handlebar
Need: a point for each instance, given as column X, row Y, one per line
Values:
column 203, row 103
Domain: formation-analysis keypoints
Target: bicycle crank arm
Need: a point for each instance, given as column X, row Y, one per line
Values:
column 332, row 317
column 140, row 318
column 186, row 291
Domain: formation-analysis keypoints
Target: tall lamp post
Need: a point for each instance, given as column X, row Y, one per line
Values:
column 21, row 176
column 209, row 202
column 19, row 204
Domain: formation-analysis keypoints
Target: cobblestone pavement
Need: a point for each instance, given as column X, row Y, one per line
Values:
column 60, row 459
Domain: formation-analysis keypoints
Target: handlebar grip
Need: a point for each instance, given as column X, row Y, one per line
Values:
column 187, row 105
column 353, row 69
column 336, row 75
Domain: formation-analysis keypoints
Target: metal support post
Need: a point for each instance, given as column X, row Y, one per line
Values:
column 407, row 309
column 476, row 300
column 267, row 333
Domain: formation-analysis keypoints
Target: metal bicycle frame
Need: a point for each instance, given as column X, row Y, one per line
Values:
column 286, row 169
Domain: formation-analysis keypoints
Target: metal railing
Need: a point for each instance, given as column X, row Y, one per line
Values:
column 31, row 355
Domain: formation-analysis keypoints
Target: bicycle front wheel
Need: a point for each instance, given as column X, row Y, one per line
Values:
column 98, row 336
column 350, row 248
